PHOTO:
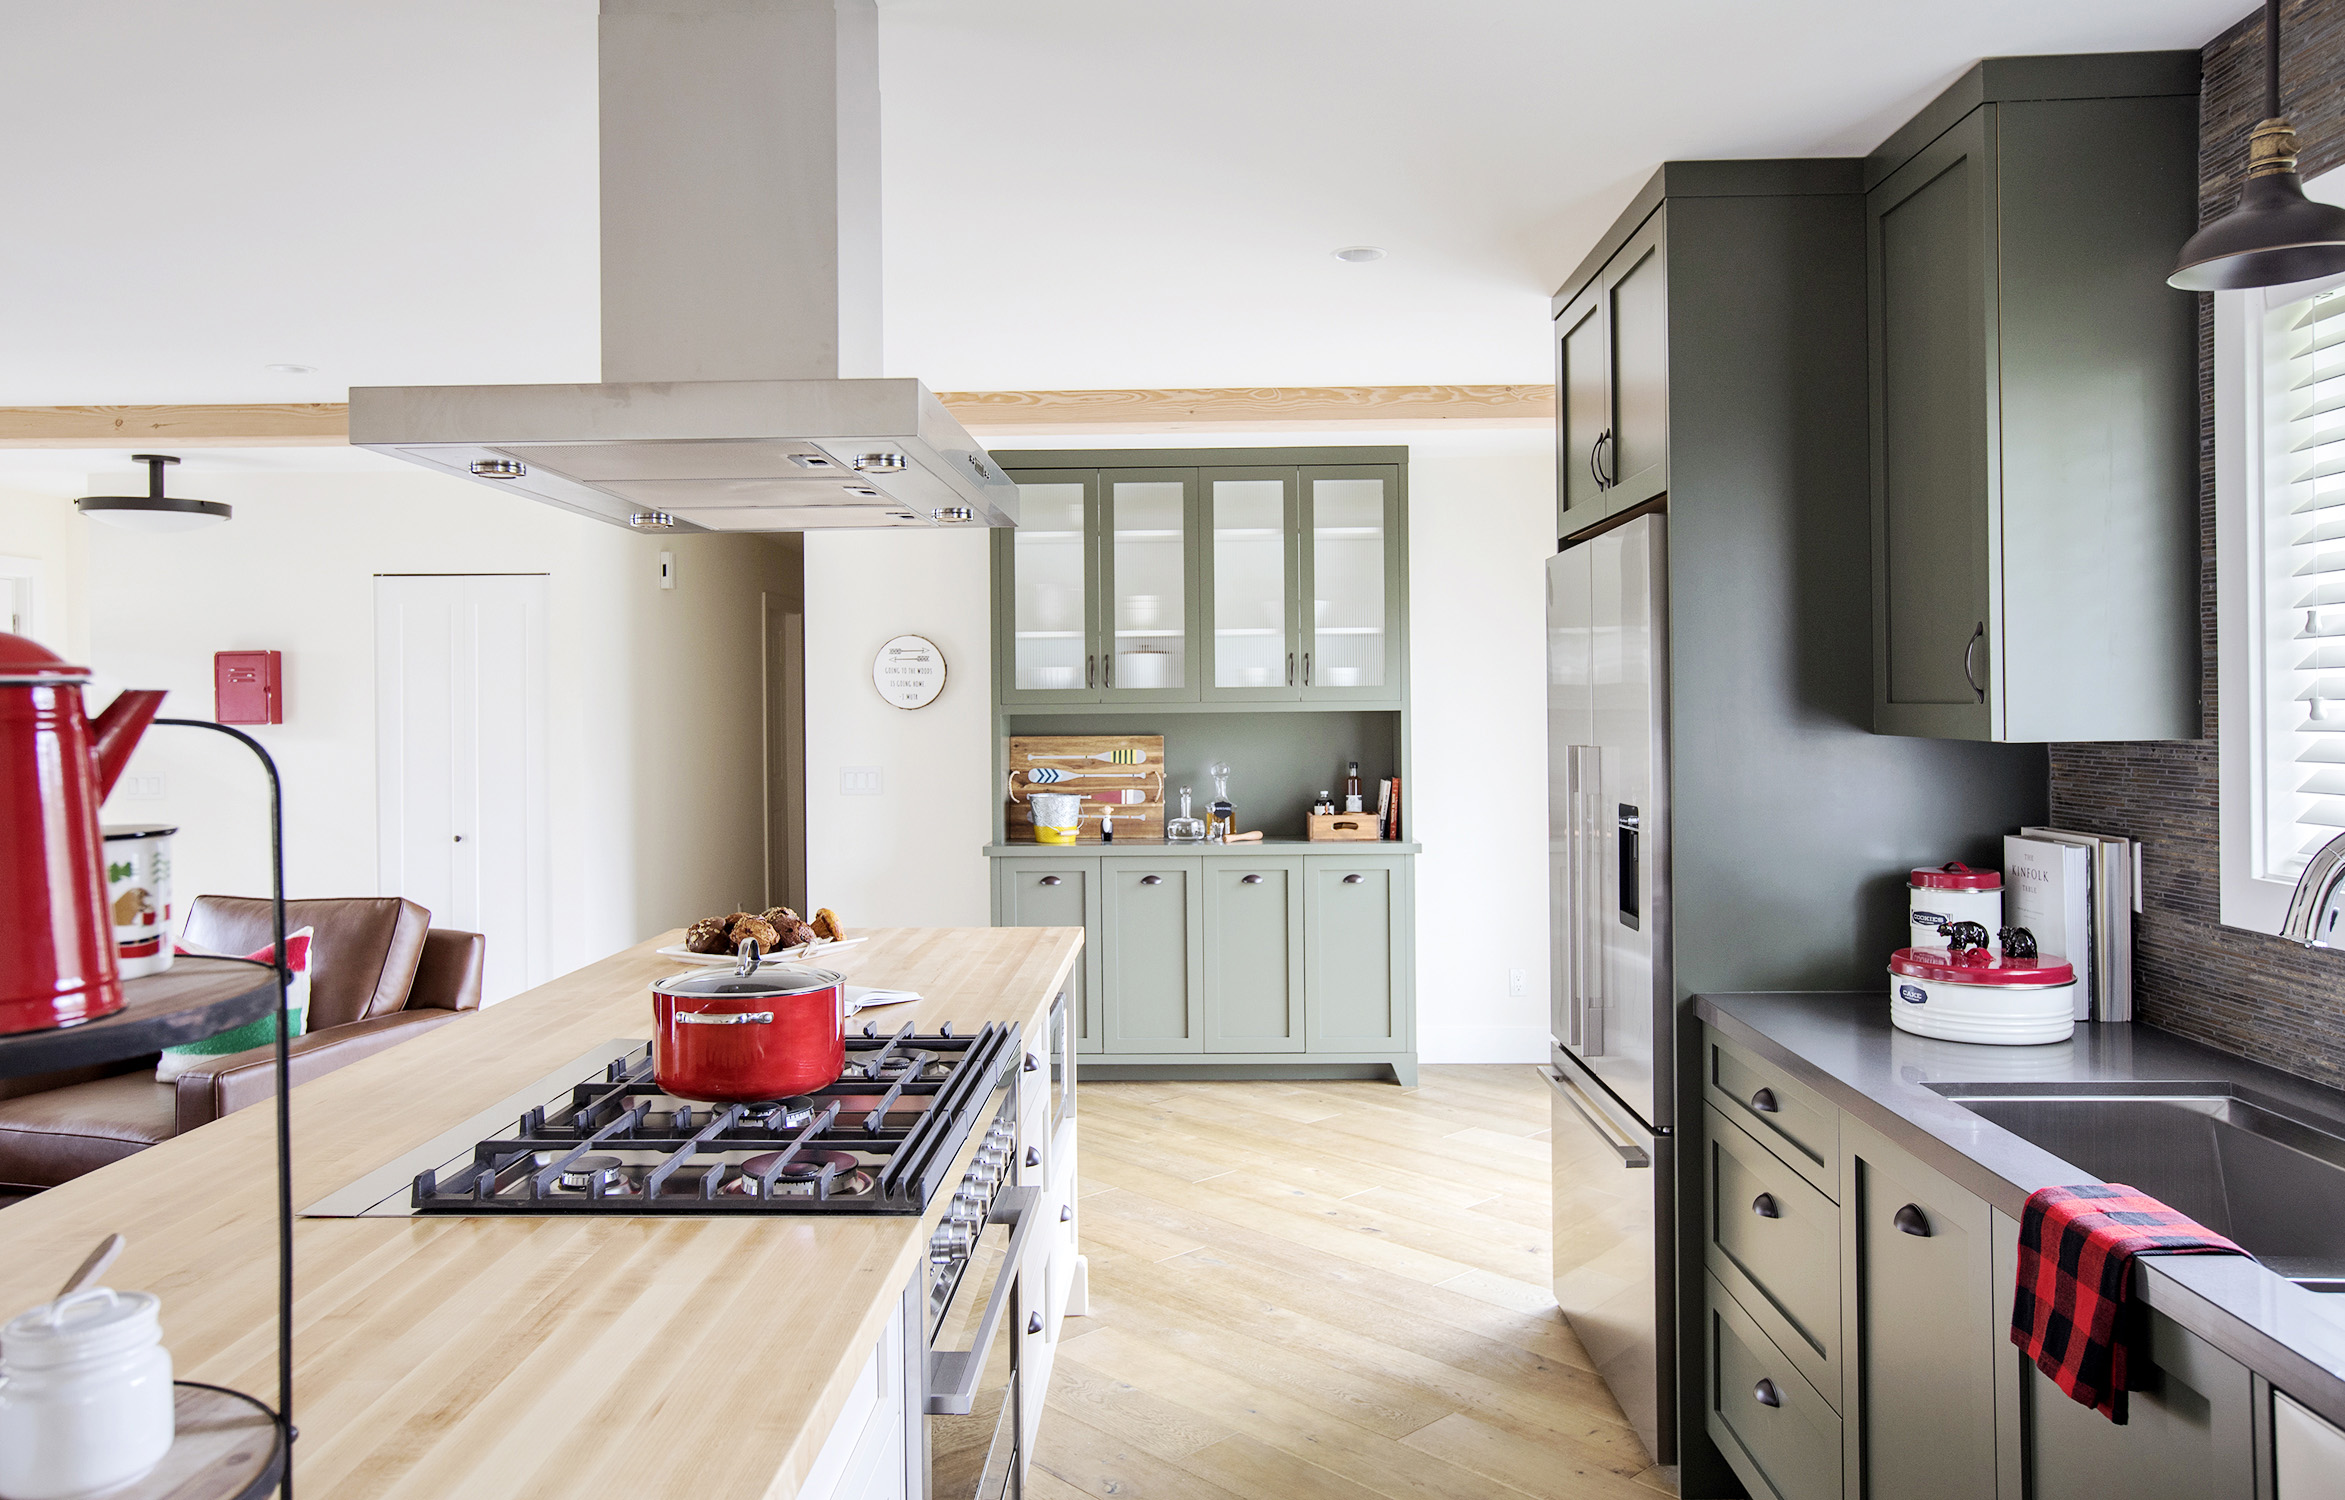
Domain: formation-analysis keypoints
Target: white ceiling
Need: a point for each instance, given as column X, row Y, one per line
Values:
column 1079, row 193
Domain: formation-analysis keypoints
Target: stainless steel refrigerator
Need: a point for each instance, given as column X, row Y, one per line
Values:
column 1612, row 993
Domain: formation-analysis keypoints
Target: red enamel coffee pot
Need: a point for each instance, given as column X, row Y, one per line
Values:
column 56, row 766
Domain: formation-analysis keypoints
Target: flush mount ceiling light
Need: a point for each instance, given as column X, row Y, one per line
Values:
column 2276, row 235
column 652, row 520
column 1360, row 254
column 291, row 369
column 154, row 510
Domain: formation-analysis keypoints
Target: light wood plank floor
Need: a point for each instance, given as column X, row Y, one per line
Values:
column 1325, row 1291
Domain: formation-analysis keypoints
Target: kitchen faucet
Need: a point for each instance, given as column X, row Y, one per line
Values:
column 2319, row 900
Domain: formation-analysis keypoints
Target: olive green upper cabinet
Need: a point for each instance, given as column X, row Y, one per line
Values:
column 1612, row 376
column 1253, row 571
column 1046, row 581
column 2034, row 416
column 1148, row 585
column 1352, row 604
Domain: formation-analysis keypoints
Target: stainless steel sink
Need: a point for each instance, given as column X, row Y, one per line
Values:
column 2273, row 1182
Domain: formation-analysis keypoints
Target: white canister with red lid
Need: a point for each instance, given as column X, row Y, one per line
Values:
column 1982, row 996
column 1952, row 892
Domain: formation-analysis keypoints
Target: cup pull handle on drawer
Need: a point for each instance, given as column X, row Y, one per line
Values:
column 1249, row 880
column 1034, row 1323
column 1764, row 1102
column 1764, row 1206
column 1912, row 1220
column 1066, row 1212
column 1152, row 880
column 1353, row 879
column 1051, row 879
column 1765, row 1394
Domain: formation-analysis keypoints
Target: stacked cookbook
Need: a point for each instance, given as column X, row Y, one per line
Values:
column 2077, row 893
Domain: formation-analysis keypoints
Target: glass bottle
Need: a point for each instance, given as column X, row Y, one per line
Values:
column 1221, row 819
column 1184, row 829
column 1351, row 789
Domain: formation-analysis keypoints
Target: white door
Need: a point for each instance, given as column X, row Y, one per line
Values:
column 460, row 755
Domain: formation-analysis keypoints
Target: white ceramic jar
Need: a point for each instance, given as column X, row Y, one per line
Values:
column 1952, row 893
column 1982, row 996
column 85, row 1396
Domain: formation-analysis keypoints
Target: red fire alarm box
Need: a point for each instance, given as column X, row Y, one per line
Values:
column 247, row 687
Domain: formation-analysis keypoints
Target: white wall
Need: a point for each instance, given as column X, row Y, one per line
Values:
column 39, row 528
column 655, row 755
column 1481, row 528
column 1482, row 523
column 909, row 855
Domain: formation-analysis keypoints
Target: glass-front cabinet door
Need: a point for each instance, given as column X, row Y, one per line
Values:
column 1351, row 603
column 1047, row 568
column 1251, row 566
column 1148, row 585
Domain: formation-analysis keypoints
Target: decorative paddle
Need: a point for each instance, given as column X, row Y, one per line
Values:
column 1113, row 757
column 1045, row 775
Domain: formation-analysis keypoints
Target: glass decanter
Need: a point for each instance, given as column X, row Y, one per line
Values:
column 1221, row 819
column 1184, row 829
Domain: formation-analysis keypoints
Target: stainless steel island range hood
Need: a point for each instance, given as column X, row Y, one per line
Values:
column 740, row 302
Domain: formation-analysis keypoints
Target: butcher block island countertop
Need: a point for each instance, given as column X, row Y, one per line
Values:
column 504, row 1358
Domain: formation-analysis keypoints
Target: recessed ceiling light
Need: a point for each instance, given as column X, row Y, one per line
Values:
column 291, row 369
column 1358, row 254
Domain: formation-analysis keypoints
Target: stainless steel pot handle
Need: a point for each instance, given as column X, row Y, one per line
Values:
column 1630, row 1153
column 735, row 1018
column 953, row 1373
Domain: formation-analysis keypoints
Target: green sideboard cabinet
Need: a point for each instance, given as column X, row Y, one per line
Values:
column 1233, row 959
column 2034, row 405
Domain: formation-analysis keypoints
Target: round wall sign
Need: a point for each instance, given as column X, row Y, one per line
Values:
column 909, row 671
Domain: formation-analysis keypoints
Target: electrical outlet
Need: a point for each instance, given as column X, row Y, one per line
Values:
column 859, row 781
column 667, row 570
column 1518, row 983
column 139, row 788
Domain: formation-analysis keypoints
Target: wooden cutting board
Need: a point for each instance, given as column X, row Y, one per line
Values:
column 1089, row 779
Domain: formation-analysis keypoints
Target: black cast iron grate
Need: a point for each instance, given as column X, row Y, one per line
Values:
column 901, row 1110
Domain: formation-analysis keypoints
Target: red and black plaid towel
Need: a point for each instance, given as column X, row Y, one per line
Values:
column 2076, row 1250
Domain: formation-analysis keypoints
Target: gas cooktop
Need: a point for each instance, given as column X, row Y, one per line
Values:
column 598, row 1136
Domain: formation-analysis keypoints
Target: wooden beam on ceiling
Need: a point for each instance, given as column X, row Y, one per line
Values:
column 986, row 413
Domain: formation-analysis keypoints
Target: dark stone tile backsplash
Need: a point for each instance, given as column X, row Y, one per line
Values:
column 2243, row 992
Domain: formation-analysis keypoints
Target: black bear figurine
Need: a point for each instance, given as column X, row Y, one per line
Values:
column 2017, row 942
column 1962, row 937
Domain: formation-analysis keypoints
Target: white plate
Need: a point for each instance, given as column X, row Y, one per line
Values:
column 780, row 955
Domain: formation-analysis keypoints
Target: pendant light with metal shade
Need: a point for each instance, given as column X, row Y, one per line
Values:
column 154, row 510
column 2276, row 235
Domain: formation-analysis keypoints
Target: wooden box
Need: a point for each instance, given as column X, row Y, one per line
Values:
column 1343, row 827
column 1142, row 821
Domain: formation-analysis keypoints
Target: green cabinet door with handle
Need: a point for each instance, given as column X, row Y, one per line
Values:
column 1918, row 1298
column 1152, row 953
column 1358, row 960
column 1253, row 954
column 1058, row 893
column 1612, row 383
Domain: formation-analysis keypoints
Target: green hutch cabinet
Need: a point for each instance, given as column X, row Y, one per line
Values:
column 1251, row 606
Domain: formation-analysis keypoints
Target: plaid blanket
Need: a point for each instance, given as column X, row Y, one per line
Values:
column 2071, row 1312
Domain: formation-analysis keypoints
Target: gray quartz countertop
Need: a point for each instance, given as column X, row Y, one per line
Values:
column 1093, row 848
column 1842, row 1045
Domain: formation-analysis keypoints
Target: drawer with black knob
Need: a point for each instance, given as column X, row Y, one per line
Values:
column 1775, row 1241
column 1782, row 1437
column 1789, row 1118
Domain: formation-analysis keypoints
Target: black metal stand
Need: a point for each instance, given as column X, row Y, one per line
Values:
column 284, row 1413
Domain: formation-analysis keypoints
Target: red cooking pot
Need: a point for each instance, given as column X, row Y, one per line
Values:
column 738, row 1036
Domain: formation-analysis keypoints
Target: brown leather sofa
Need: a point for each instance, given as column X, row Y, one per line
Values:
column 380, row 974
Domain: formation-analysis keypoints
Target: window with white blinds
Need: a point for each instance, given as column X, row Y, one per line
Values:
column 2303, row 579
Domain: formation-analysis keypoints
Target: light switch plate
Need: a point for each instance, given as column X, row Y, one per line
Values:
column 859, row 781
column 667, row 570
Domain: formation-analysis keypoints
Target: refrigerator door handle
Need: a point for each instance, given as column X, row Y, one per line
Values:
column 1587, row 901
column 1630, row 1153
